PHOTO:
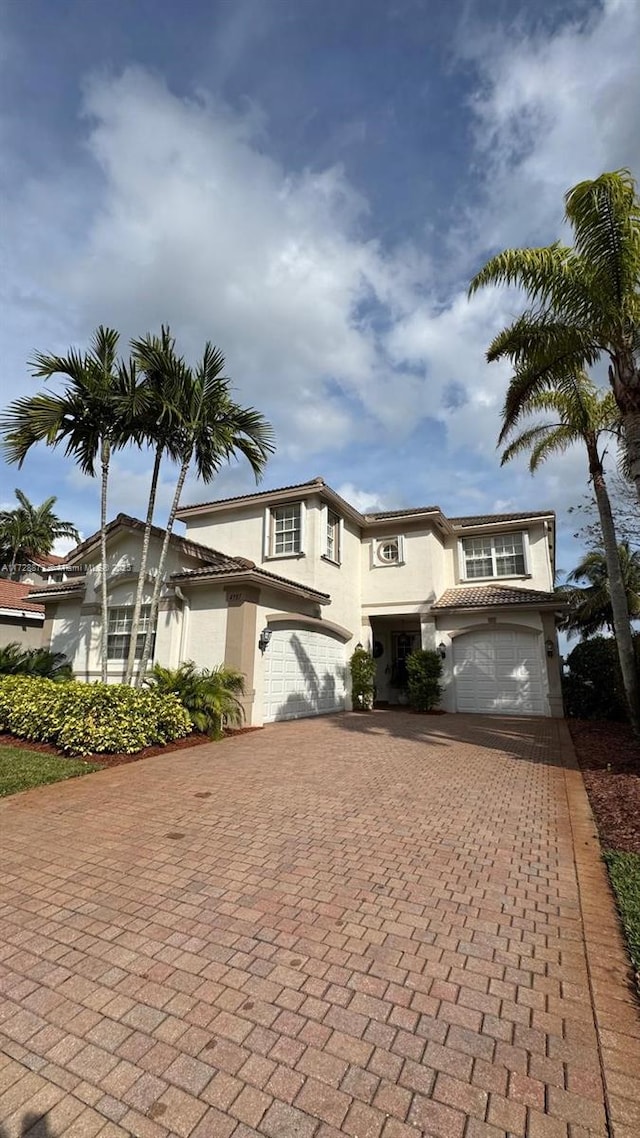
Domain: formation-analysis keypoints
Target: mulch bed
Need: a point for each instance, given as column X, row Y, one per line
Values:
column 195, row 739
column 609, row 759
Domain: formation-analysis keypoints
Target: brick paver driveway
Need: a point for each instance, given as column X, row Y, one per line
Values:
column 361, row 925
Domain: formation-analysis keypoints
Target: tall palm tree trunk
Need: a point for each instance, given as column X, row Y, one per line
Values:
column 631, row 433
column 105, row 455
column 155, row 599
column 619, row 605
column 144, row 557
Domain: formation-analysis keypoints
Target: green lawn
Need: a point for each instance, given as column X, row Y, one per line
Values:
column 20, row 769
column 624, row 870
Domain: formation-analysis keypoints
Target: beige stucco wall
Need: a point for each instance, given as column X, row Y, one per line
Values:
column 75, row 624
column 241, row 533
column 406, row 587
column 15, row 630
column 205, row 624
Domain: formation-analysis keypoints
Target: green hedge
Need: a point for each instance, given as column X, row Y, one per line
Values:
column 85, row 719
column 424, row 671
column 593, row 687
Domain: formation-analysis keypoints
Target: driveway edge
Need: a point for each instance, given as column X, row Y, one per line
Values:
column 613, row 993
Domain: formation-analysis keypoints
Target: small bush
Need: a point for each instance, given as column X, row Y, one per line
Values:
column 363, row 671
column 18, row 661
column 210, row 695
column 85, row 719
column 424, row 672
column 593, row 687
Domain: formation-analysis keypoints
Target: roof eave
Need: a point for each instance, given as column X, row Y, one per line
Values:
column 519, row 606
column 25, row 613
column 251, row 576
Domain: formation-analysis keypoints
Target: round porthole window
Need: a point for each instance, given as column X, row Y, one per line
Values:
column 388, row 551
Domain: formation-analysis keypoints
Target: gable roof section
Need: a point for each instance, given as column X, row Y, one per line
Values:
column 483, row 596
column 14, row 595
column 191, row 548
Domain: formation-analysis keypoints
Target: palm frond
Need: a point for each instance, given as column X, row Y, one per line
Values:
column 605, row 216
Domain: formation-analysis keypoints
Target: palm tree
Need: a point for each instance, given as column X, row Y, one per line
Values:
column 211, row 429
column 162, row 373
column 30, row 530
column 580, row 414
column 590, row 607
column 210, row 695
column 584, row 301
column 91, row 416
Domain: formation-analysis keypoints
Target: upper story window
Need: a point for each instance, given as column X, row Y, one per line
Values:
column 286, row 530
column 494, row 555
column 333, row 536
column 388, row 551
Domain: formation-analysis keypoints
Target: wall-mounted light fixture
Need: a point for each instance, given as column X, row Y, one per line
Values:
column 442, row 649
column 550, row 647
column 265, row 637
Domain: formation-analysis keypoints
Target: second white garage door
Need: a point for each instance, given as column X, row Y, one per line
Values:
column 304, row 674
column 499, row 673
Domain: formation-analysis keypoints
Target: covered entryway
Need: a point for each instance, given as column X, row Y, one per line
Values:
column 500, row 672
column 304, row 674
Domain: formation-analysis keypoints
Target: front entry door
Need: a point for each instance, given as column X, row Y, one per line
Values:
column 402, row 645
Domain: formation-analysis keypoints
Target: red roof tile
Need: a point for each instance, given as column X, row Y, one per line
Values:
column 479, row 596
column 13, row 595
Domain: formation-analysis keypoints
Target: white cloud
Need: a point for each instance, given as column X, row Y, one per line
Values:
column 183, row 215
column 551, row 111
column 366, row 501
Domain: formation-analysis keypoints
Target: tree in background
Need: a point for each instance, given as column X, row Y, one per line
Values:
column 590, row 605
column 95, row 413
column 625, row 509
column 30, row 531
column 584, row 301
column 580, row 413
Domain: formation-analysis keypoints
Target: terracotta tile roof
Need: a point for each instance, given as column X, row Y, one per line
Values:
column 76, row 585
column 239, row 565
column 13, row 595
column 486, row 519
column 479, row 596
column 46, row 559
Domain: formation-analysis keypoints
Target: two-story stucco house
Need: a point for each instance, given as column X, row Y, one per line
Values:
column 304, row 577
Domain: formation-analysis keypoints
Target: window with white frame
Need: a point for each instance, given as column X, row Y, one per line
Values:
column 493, row 555
column 333, row 536
column 119, row 631
column 388, row 551
column 286, row 530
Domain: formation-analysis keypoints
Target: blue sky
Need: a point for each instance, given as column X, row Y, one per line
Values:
column 310, row 185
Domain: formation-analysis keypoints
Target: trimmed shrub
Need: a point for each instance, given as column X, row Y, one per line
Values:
column 18, row 661
column 363, row 671
column 593, row 688
column 424, row 672
column 85, row 719
column 210, row 695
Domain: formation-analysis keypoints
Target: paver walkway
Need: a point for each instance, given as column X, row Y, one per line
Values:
column 360, row 925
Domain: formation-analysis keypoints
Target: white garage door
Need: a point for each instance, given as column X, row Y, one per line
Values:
column 499, row 673
column 304, row 674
